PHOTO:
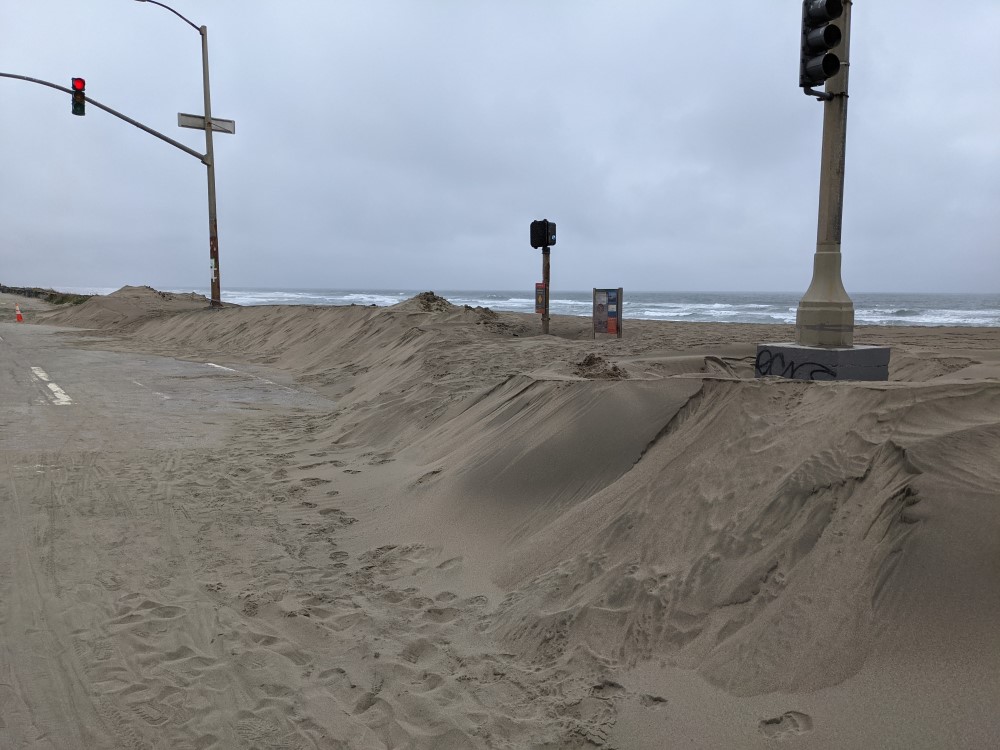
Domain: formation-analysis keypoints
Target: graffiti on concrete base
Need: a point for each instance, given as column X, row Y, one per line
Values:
column 774, row 363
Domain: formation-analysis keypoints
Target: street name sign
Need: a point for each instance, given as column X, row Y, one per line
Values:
column 198, row 123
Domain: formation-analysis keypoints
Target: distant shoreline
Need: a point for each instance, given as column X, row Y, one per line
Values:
column 885, row 309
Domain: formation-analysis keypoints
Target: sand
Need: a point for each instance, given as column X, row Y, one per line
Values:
column 443, row 530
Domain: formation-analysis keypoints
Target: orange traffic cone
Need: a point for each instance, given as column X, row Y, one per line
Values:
column 17, row 314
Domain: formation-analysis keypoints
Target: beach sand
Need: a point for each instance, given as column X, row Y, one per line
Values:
column 475, row 536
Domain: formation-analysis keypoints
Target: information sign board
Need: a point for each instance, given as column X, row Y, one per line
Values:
column 608, row 311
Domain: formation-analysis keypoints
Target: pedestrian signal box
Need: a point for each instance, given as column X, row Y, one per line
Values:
column 543, row 233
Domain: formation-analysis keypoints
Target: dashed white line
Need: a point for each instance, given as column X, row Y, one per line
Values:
column 164, row 396
column 254, row 377
column 57, row 395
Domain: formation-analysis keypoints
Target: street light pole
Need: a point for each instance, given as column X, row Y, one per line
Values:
column 213, row 224
column 209, row 160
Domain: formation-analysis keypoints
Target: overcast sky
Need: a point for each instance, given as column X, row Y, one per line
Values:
column 409, row 143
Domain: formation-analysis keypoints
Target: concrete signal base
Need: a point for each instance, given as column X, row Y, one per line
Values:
column 799, row 362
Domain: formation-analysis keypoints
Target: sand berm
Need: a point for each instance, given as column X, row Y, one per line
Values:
column 512, row 540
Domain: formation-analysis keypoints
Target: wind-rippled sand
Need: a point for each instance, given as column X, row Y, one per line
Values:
column 494, row 539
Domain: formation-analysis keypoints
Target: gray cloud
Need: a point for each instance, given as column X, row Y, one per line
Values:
column 393, row 143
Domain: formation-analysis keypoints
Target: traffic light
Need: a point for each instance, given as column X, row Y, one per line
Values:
column 819, row 36
column 543, row 233
column 79, row 98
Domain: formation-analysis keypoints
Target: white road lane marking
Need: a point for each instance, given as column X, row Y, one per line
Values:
column 255, row 377
column 164, row 396
column 56, row 394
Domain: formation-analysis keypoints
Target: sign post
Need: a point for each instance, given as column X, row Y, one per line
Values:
column 545, row 283
column 543, row 235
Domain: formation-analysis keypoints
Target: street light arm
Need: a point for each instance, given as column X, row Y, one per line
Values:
column 172, row 11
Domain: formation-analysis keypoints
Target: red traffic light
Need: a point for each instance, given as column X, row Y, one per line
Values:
column 79, row 98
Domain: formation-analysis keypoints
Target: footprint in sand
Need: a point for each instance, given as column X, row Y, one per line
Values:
column 441, row 614
column 314, row 481
column 110, row 580
column 652, row 701
column 788, row 724
column 342, row 517
column 421, row 649
column 419, row 602
column 17, row 727
column 428, row 476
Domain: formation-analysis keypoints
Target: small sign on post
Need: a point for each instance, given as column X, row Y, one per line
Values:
column 540, row 298
column 608, row 311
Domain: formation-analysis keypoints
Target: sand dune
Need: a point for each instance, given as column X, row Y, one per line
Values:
column 489, row 538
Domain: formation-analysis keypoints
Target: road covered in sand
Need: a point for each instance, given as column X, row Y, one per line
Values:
column 428, row 526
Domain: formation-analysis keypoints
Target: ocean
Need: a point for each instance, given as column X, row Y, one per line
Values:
column 976, row 310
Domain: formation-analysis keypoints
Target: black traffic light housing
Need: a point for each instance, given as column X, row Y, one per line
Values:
column 819, row 36
column 79, row 86
column 543, row 233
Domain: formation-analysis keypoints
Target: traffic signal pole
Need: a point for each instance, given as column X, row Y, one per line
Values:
column 825, row 314
column 213, row 223
column 208, row 158
column 824, row 347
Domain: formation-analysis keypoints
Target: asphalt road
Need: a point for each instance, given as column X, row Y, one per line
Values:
column 58, row 392
column 115, row 471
